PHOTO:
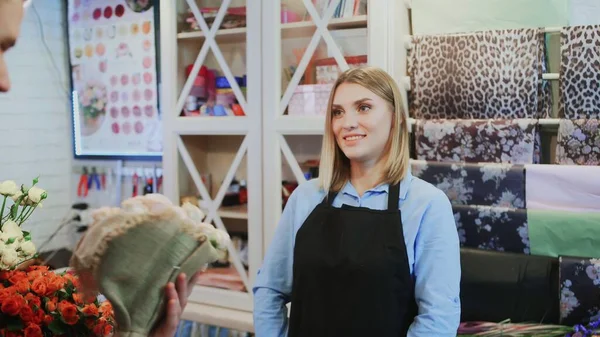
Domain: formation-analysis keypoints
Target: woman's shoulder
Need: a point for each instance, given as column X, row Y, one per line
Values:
column 308, row 191
column 310, row 188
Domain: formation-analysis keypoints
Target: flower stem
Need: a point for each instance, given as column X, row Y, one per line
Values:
column 20, row 215
column 28, row 214
column 2, row 210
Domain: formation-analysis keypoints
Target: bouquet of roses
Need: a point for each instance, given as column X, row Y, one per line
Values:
column 38, row 302
column 15, row 244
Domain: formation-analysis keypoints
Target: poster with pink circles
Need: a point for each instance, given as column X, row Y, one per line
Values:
column 114, row 78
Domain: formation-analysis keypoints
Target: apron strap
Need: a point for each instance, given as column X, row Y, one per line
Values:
column 393, row 197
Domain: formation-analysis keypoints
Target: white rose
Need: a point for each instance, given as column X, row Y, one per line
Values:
column 4, row 237
column 28, row 248
column 193, row 212
column 36, row 194
column 16, row 197
column 8, row 188
column 9, row 257
column 220, row 239
column 12, row 229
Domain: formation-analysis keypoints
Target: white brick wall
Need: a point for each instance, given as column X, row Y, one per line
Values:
column 35, row 117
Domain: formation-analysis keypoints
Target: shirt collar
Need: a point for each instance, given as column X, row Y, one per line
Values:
column 381, row 188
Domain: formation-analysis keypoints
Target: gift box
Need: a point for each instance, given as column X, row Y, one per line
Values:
column 328, row 70
column 310, row 100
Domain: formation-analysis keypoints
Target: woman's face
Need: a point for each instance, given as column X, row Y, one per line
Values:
column 361, row 123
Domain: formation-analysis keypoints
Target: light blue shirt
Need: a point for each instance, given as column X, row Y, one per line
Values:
column 432, row 244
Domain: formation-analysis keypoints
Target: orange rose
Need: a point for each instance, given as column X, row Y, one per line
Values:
column 78, row 298
column 48, row 319
column 22, row 286
column 5, row 275
column 90, row 310
column 34, row 274
column 27, row 314
column 56, row 284
column 39, row 316
column 7, row 292
column 33, row 330
column 17, row 277
column 108, row 329
column 39, row 286
column 51, row 304
column 69, row 313
column 33, row 301
column 98, row 329
column 12, row 305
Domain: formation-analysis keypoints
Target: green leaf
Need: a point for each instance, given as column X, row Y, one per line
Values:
column 14, row 324
column 57, row 327
column 26, row 236
column 11, row 240
column 14, row 209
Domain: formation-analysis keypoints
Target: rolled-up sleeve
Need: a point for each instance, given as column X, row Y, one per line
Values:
column 437, row 272
column 273, row 285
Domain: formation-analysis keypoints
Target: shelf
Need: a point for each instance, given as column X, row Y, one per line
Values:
column 209, row 125
column 224, row 35
column 300, row 125
column 307, row 28
column 288, row 30
column 234, row 212
column 230, row 212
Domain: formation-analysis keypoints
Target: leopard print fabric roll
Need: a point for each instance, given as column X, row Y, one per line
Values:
column 492, row 74
column 579, row 87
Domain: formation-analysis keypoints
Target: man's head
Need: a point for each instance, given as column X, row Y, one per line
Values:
column 11, row 15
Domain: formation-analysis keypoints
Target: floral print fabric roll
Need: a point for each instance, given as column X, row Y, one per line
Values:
column 492, row 228
column 500, row 185
column 472, row 141
column 490, row 74
column 579, row 72
column 579, row 290
column 578, row 142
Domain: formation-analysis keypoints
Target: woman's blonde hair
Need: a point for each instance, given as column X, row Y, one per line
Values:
column 334, row 168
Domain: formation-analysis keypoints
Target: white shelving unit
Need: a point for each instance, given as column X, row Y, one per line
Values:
column 252, row 144
column 223, row 147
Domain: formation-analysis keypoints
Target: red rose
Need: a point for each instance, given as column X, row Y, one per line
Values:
column 17, row 277
column 27, row 314
column 33, row 301
column 48, row 319
column 69, row 313
column 51, row 304
column 22, row 286
column 90, row 310
column 39, row 286
column 12, row 305
column 33, row 330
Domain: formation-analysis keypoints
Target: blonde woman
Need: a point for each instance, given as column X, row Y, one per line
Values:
column 367, row 249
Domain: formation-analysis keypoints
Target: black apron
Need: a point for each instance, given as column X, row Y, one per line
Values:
column 351, row 274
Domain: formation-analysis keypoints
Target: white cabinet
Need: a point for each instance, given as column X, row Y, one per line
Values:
column 265, row 146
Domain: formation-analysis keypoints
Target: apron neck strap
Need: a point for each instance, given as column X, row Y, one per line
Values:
column 393, row 197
